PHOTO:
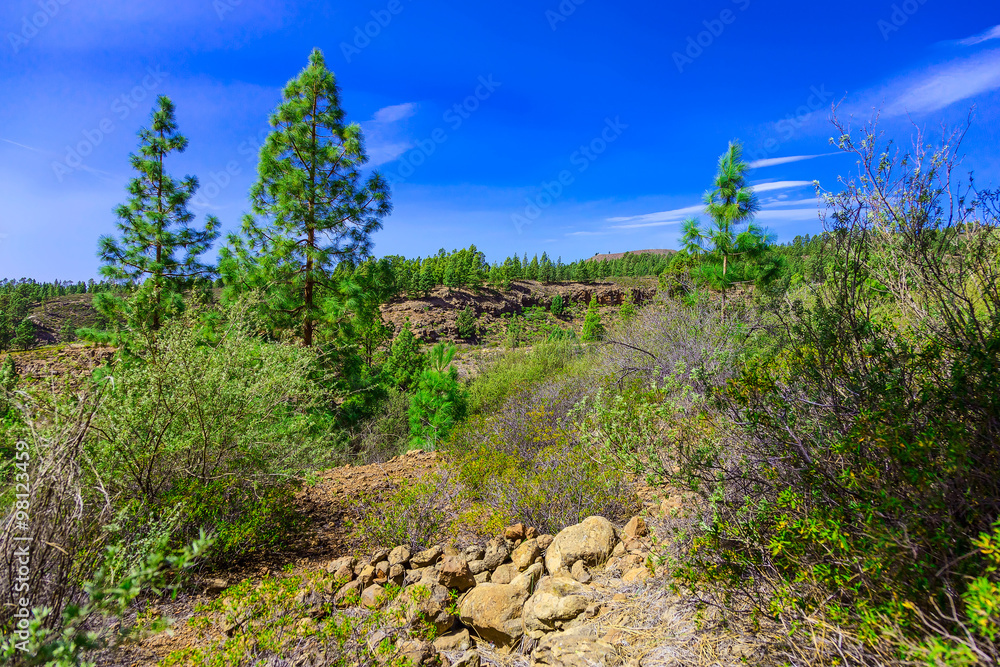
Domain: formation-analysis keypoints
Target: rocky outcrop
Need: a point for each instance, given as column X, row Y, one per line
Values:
column 434, row 316
column 494, row 611
column 557, row 600
column 520, row 584
column 574, row 648
column 591, row 542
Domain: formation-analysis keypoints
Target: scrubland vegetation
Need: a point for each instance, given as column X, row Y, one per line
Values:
column 831, row 406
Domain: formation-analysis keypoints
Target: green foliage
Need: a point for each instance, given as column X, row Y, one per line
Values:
column 517, row 371
column 439, row 402
column 155, row 223
column 557, row 305
column 406, row 362
column 466, row 323
column 256, row 622
column 215, row 419
column 515, row 331
column 593, row 328
column 726, row 254
column 24, row 335
column 314, row 208
column 627, row 310
column 859, row 482
column 67, row 333
column 100, row 620
column 417, row 514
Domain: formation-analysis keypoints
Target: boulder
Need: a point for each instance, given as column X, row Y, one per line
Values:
column 530, row 533
column 344, row 573
column 413, row 576
column 335, row 566
column 399, row 556
column 382, row 571
column 428, row 601
column 367, row 576
column 426, row 557
column 635, row 575
column 504, row 574
column 636, row 527
column 591, row 541
column 493, row 611
column 349, row 594
column 580, row 573
column 544, row 541
column 557, row 600
column 514, row 532
column 468, row 659
column 397, row 573
column 417, row 651
column 578, row 647
column 373, row 596
column 453, row 572
column 496, row 553
column 483, row 577
column 525, row 555
column 459, row 640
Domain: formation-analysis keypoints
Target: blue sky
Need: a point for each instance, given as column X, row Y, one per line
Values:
column 572, row 127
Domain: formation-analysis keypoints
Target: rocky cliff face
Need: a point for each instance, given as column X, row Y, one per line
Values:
column 433, row 318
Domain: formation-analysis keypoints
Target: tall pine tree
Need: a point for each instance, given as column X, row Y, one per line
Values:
column 314, row 208
column 157, row 244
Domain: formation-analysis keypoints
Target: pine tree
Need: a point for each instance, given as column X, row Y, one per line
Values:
column 731, row 204
column 67, row 333
column 314, row 208
column 557, row 305
column 593, row 328
column 158, row 244
column 439, row 402
column 24, row 335
column 406, row 361
column 466, row 323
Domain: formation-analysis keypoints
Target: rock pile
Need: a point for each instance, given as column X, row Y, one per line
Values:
column 521, row 587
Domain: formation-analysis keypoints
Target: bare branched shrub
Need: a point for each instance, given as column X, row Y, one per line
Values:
column 63, row 517
column 417, row 514
column 688, row 342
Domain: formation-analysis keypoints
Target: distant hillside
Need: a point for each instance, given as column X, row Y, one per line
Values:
column 619, row 255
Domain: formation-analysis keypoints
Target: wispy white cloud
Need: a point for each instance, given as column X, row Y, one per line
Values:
column 385, row 139
column 657, row 219
column 779, row 185
column 992, row 33
column 773, row 161
column 21, row 145
column 945, row 84
column 588, row 233
column 677, row 215
column 395, row 113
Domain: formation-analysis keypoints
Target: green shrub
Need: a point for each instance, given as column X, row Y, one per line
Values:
column 557, row 305
column 466, row 323
column 220, row 423
column 386, row 434
column 439, row 402
column 593, row 328
column 861, row 479
column 517, row 371
column 417, row 514
column 405, row 361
